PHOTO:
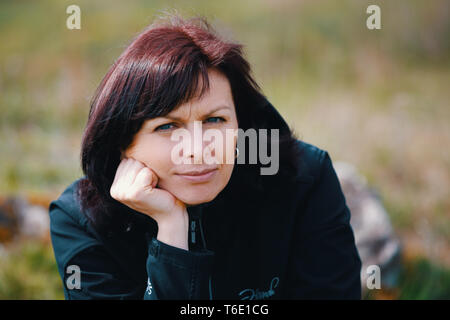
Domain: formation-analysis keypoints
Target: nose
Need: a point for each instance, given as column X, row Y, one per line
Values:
column 195, row 152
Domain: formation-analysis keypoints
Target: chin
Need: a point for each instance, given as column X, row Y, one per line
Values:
column 196, row 195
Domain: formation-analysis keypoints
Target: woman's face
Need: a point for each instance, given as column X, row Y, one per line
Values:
column 192, row 183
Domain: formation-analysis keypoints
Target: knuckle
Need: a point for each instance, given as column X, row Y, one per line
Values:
column 146, row 172
column 126, row 196
column 120, row 195
column 112, row 192
column 132, row 195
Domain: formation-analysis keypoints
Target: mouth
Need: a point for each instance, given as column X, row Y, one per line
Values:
column 198, row 176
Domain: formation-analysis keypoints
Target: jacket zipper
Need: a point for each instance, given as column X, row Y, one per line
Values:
column 193, row 229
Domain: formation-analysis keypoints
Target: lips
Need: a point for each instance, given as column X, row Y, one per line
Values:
column 200, row 175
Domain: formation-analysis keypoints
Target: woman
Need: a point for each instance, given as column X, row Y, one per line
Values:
column 153, row 219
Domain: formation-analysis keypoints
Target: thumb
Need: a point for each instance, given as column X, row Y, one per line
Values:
column 146, row 178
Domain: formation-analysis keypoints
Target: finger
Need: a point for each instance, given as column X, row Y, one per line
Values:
column 159, row 200
column 118, row 175
column 155, row 178
column 132, row 169
column 146, row 178
column 123, row 177
column 120, row 169
column 143, row 178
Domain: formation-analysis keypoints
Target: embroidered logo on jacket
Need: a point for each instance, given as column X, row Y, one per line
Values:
column 149, row 286
column 256, row 294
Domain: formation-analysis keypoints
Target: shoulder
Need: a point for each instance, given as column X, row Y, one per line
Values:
column 69, row 229
column 310, row 161
column 326, row 200
column 68, row 205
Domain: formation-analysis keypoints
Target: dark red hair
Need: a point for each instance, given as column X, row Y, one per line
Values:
column 157, row 72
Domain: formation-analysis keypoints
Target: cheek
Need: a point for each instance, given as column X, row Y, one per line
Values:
column 154, row 153
column 227, row 169
column 228, row 146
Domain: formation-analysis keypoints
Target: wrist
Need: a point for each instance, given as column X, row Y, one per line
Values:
column 174, row 232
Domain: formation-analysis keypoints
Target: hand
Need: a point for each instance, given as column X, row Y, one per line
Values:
column 135, row 186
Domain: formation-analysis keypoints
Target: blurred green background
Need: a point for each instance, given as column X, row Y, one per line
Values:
column 376, row 98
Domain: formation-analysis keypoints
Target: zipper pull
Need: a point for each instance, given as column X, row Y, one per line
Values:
column 193, row 225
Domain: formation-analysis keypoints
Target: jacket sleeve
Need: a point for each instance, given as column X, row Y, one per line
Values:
column 173, row 273
column 86, row 268
column 100, row 278
column 325, row 261
column 177, row 274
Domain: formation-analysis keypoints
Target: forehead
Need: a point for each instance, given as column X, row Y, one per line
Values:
column 218, row 94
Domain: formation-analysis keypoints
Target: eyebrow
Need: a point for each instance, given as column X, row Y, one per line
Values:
column 220, row 107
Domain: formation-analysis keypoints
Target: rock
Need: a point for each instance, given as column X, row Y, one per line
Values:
column 9, row 222
column 20, row 218
column 374, row 236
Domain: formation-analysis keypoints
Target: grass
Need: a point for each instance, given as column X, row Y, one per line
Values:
column 377, row 99
column 419, row 279
column 28, row 271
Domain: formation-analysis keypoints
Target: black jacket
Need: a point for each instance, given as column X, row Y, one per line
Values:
column 294, row 244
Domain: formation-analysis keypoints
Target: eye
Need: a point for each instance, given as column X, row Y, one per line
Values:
column 215, row 120
column 165, row 127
